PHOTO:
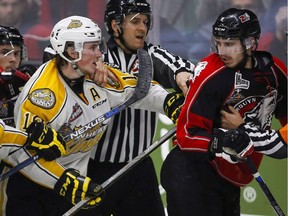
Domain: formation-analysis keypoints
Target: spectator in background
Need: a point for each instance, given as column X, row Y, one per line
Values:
column 279, row 43
column 14, row 13
column 170, row 24
column 24, row 15
column 37, row 38
column 59, row 9
column 199, row 39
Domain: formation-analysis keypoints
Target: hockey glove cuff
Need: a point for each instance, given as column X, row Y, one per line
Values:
column 173, row 104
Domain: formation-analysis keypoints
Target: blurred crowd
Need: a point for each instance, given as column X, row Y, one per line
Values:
column 184, row 28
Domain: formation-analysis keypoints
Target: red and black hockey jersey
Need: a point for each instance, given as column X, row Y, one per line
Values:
column 258, row 94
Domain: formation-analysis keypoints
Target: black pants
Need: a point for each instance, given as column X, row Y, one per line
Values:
column 27, row 198
column 134, row 194
column 194, row 188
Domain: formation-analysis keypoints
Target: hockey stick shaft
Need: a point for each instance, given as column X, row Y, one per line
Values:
column 19, row 167
column 124, row 170
column 264, row 187
column 141, row 90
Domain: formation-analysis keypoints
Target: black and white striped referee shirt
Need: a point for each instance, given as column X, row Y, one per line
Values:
column 130, row 132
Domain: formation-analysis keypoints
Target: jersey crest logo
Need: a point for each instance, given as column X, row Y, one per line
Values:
column 76, row 112
column 44, row 98
column 241, row 83
column 261, row 115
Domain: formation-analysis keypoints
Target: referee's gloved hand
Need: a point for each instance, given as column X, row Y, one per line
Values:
column 75, row 188
column 45, row 141
column 173, row 104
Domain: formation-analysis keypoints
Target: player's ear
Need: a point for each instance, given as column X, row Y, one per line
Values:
column 115, row 27
column 72, row 53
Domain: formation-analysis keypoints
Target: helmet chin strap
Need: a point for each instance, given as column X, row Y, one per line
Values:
column 76, row 68
column 120, row 37
column 74, row 63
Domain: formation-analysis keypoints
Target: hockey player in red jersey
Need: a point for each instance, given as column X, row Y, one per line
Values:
column 12, row 76
column 198, row 180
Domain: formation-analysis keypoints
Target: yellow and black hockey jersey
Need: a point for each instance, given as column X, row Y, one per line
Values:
column 11, row 139
column 48, row 97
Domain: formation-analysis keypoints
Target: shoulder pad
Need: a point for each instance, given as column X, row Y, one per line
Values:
column 264, row 59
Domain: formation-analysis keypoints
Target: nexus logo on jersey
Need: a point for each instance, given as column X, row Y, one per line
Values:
column 44, row 98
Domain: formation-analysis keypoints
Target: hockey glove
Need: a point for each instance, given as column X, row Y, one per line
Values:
column 232, row 145
column 172, row 105
column 12, row 81
column 45, row 141
column 75, row 188
column 28, row 69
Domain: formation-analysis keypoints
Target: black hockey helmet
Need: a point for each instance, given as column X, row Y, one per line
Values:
column 117, row 9
column 237, row 23
column 10, row 35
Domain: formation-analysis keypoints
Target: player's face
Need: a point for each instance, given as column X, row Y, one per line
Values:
column 135, row 30
column 90, row 55
column 230, row 51
column 10, row 57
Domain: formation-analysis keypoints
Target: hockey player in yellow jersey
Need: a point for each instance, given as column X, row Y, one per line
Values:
column 62, row 93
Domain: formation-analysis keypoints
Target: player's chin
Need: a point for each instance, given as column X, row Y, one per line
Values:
column 139, row 44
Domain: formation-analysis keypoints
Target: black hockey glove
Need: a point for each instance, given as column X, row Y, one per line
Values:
column 230, row 144
column 12, row 82
column 173, row 104
column 28, row 69
column 75, row 188
column 45, row 141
